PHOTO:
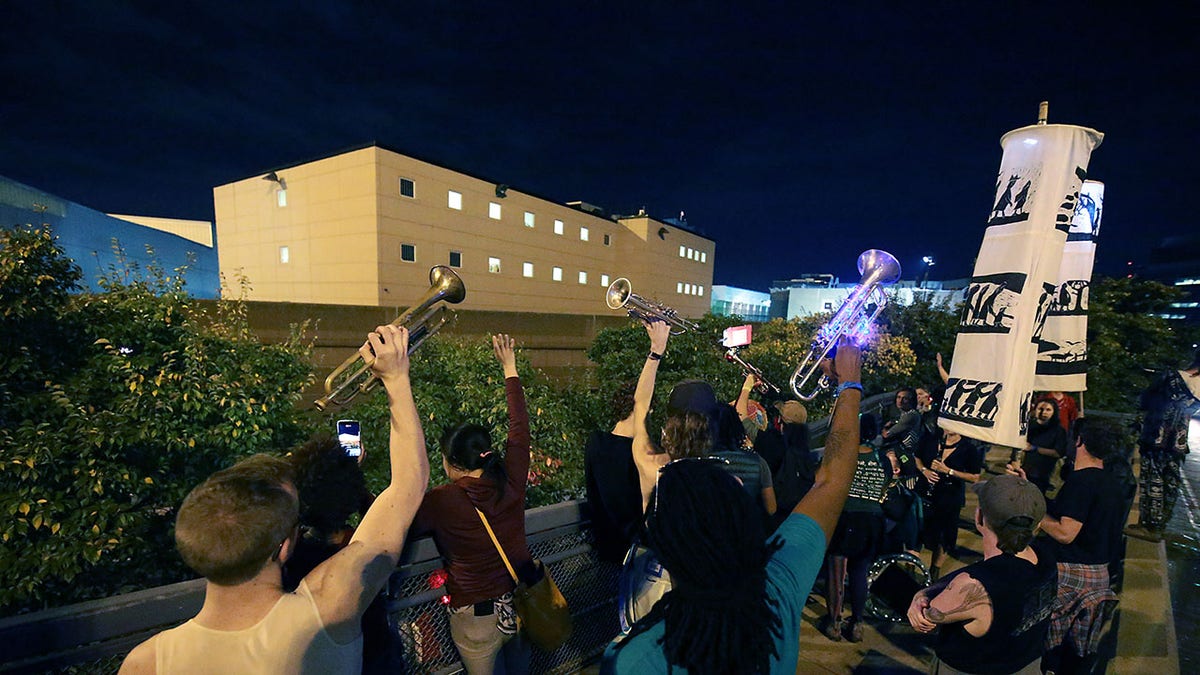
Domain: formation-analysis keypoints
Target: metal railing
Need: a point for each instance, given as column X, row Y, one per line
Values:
column 90, row 634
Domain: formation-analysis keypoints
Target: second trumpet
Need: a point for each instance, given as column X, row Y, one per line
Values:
column 620, row 295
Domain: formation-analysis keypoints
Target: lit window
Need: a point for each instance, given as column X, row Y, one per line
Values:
column 691, row 254
column 456, row 258
column 679, row 287
column 682, row 251
column 454, row 200
column 529, row 219
column 582, row 277
column 604, row 280
column 284, row 255
column 703, row 257
column 608, row 240
column 281, row 197
column 527, row 269
column 494, row 265
column 408, row 188
column 700, row 291
column 408, row 252
column 558, row 227
column 687, row 289
column 556, row 274
column 583, row 234
column 493, row 211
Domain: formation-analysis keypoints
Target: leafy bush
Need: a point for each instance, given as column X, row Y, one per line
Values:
column 145, row 398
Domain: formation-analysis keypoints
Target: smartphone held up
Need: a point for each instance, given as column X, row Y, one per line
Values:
column 349, row 437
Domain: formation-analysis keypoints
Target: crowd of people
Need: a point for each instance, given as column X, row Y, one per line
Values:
column 721, row 525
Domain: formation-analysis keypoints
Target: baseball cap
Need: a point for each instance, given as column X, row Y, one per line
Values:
column 1011, row 504
column 692, row 396
column 793, row 412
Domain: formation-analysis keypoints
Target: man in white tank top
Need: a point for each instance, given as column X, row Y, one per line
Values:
column 239, row 526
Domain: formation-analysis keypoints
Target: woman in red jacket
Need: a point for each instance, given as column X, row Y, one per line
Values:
column 482, row 619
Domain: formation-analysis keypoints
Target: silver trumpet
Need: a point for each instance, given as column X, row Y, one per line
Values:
column 878, row 269
column 620, row 294
column 763, row 385
column 422, row 320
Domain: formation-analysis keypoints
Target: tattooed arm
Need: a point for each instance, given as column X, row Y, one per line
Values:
column 964, row 601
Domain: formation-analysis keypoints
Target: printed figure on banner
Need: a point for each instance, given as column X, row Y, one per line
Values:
column 1066, row 211
column 972, row 402
column 1085, row 226
column 1045, row 302
column 1026, row 402
column 1012, row 194
column 989, row 301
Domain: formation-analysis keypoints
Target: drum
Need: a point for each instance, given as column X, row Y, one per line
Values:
column 892, row 581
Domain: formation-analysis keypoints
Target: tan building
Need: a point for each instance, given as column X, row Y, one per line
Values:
column 365, row 226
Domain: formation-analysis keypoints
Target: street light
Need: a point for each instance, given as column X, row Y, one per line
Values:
column 929, row 262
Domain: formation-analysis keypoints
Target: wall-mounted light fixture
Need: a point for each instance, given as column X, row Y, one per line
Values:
column 274, row 178
column 502, row 190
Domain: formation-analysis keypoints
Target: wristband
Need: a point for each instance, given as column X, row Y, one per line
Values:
column 848, row 385
column 654, row 356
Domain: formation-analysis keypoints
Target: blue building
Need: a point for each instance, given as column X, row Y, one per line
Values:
column 88, row 238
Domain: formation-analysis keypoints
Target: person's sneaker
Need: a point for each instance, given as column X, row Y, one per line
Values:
column 1144, row 533
column 830, row 628
column 852, row 630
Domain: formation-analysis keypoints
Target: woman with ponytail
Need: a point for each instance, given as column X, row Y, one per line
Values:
column 482, row 619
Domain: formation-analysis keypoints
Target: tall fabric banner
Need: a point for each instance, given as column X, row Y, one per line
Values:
column 1062, row 350
column 1015, row 281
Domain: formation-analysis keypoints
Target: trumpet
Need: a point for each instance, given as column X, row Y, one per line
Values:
column 422, row 320
column 620, row 294
column 763, row 385
column 878, row 269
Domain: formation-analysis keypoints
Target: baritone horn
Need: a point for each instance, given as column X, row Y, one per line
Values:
column 620, row 294
column 763, row 385
column 878, row 269
column 422, row 320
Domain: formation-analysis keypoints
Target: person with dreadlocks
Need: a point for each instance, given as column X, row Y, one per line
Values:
column 736, row 598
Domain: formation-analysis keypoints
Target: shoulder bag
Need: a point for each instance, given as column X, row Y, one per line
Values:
column 541, row 607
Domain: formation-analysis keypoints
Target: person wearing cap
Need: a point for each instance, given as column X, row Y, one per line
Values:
column 1084, row 522
column 1168, row 406
column 994, row 614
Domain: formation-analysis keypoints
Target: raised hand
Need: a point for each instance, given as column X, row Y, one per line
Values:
column 386, row 350
column 503, row 348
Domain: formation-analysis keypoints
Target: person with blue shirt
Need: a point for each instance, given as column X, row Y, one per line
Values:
column 736, row 598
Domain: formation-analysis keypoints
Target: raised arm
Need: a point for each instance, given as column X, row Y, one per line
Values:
column 344, row 585
column 516, row 452
column 823, row 503
column 645, row 456
column 942, row 370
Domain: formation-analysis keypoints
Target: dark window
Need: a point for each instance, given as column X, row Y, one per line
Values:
column 408, row 252
column 407, row 187
column 455, row 258
column 607, row 240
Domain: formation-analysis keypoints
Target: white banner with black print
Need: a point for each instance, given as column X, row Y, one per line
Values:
column 1062, row 351
column 1015, row 280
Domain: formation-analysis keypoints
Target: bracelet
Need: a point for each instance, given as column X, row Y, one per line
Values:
column 654, row 356
column 848, row 385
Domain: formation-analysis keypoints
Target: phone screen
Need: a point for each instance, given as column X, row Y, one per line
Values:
column 737, row 336
column 349, row 438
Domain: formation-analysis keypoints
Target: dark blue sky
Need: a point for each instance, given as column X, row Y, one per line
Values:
column 794, row 134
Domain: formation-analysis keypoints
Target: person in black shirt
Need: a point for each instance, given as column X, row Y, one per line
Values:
column 958, row 461
column 611, row 478
column 1084, row 522
column 1045, row 444
column 994, row 614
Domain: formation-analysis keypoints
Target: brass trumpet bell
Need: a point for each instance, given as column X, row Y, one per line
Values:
column 423, row 320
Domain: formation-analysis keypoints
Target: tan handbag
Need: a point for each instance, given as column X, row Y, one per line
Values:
column 541, row 608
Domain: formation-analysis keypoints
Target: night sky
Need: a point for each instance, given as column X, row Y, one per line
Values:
column 793, row 134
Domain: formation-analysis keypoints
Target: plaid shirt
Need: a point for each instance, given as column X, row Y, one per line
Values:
column 1085, row 599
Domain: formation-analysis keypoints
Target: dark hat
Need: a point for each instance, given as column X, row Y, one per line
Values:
column 693, row 396
column 1010, row 503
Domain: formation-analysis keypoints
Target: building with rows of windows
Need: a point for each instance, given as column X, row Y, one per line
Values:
column 365, row 226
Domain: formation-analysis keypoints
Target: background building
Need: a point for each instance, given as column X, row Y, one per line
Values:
column 1176, row 262
column 88, row 237
column 750, row 305
column 363, row 228
column 817, row 293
